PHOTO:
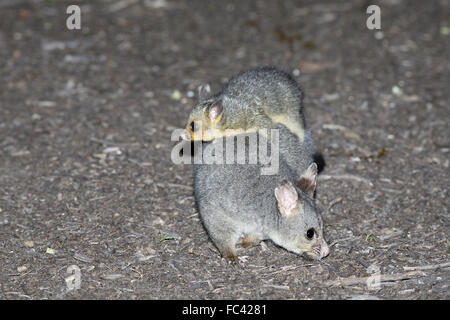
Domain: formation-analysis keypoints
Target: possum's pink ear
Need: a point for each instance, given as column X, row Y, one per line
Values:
column 204, row 91
column 215, row 111
column 308, row 180
column 287, row 198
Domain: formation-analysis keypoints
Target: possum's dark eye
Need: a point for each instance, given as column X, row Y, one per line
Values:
column 193, row 126
column 310, row 234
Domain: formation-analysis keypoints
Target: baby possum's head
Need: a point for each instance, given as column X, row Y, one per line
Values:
column 203, row 121
column 300, row 228
column 218, row 116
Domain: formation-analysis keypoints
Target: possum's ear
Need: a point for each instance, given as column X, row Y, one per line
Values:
column 215, row 111
column 308, row 180
column 204, row 91
column 287, row 198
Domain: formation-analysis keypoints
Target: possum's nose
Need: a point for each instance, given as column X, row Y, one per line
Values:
column 324, row 250
column 193, row 126
column 185, row 135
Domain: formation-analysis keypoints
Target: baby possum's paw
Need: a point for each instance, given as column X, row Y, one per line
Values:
column 249, row 240
column 243, row 259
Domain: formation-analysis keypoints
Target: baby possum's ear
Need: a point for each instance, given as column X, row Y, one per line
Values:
column 214, row 112
column 308, row 180
column 204, row 92
column 287, row 198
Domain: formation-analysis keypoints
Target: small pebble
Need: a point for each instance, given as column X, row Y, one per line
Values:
column 82, row 257
column 445, row 31
column 379, row 35
column 22, row 269
column 397, row 91
column 29, row 244
column 112, row 276
column 176, row 95
column 149, row 94
column 115, row 150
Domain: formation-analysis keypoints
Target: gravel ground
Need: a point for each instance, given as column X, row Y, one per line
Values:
column 86, row 118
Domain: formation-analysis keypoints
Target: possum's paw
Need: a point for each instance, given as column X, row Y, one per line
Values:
column 242, row 259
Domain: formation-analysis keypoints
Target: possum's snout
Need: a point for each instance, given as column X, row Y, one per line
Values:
column 324, row 250
column 185, row 135
column 320, row 251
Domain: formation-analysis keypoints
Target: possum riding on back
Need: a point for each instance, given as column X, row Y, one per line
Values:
column 258, row 99
column 249, row 101
column 235, row 202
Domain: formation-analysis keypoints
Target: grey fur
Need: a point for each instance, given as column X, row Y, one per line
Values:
column 277, row 93
column 235, row 200
column 263, row 89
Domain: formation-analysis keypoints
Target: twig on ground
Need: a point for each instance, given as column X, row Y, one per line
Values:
column 383, row 278
column 341, row 240
column 391, row 235
column 105, row 142
column 346, row 132
column 20, row 295
column 429, row 267
column 325, row 177
column 114, row 144
column 277, row 287
column 333, row 203
column 173, row 185
column 120, row 5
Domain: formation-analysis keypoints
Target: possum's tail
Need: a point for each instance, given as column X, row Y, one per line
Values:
column 320, row 161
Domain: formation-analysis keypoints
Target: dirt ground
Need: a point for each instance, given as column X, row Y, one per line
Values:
column 86, row 178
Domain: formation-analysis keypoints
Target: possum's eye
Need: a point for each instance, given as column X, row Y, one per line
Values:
column 193, row 126
column 310, row 234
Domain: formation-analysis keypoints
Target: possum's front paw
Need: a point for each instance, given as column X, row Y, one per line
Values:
column 230, row 254
column 243, row 259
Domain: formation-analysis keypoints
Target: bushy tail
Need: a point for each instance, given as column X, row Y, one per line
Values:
column 320, row 161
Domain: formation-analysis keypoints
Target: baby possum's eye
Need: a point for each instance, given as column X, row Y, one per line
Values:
column 310, row 234
column 193, row 126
